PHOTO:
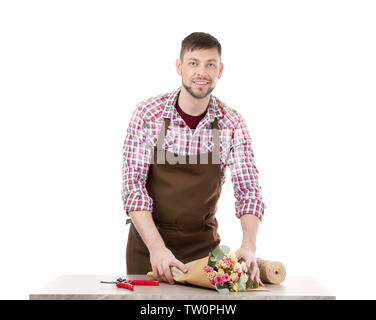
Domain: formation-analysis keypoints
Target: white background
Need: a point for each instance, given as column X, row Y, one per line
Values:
column 302, row 73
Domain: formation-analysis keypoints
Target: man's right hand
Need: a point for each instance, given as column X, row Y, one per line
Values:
column 161, row 259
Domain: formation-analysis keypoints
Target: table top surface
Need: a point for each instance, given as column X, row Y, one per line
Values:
column 89, row 287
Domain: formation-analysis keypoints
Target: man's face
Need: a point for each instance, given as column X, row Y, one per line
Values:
column 199, row 71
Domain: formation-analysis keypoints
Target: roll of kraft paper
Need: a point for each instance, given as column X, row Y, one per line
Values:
column 273, row 272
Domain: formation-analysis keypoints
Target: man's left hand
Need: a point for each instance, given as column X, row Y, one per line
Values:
column 250, row 259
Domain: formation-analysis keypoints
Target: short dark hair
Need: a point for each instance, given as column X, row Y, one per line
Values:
column 199, row 40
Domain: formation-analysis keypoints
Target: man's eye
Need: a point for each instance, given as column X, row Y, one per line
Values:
column 192, row 63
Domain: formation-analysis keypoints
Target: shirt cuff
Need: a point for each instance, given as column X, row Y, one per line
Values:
column 137, row 202
column 251, row 206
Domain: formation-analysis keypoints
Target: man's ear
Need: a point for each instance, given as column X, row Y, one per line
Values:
column 178, row 66
column 220, row 70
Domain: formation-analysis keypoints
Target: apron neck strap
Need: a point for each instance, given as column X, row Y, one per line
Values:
column 215, row 123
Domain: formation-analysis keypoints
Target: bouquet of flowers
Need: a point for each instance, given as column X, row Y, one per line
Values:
column 219, row 270
column 226, row 273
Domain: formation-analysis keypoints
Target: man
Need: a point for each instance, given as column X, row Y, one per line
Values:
column 169, row 194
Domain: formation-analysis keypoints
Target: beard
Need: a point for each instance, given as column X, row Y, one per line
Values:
column 199, row 93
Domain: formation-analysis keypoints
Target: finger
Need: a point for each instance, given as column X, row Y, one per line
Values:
column 253, row 271
column 240, row 258
column 249, row 265
column 238, row 255
column 155, row 273
column 161, row 274
column 168, row 275
column 180, row 265
column 258, row 279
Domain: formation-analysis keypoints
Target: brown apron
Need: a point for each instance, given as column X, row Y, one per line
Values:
column 185, row 197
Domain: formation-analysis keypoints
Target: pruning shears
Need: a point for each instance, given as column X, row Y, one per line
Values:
column 128, row 284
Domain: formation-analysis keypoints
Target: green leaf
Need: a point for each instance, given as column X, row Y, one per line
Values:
column 226, row 290
column 211, row 260
column 225, row 249
column 219, row 286
column 221, row 289
column 211, row 263
column 249, row 283
column 255, row 284
column 217, row 258
column 242, row 284
column 218, row 254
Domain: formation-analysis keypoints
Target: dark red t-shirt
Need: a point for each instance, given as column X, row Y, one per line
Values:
column 191, row 121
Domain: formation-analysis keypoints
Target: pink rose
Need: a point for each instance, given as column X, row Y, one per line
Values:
column 227, row 261
column 225, row 277
column 208, row 268
column 218, row 278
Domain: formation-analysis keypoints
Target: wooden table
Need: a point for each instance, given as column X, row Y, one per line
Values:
column 88, row 287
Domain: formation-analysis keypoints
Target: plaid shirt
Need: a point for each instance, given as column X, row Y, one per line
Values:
column 235, row 150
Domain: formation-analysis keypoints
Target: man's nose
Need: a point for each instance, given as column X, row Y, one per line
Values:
column 201, row 73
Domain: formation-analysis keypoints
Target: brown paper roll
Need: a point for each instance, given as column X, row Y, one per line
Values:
column 273, row 272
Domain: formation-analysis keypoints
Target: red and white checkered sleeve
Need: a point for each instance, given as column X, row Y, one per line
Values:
column 137, row 155
column 244, row 173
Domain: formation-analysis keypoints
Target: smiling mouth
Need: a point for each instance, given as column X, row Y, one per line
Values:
column 200, row 84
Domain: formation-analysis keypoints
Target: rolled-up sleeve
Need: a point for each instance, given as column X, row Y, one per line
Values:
column 137, row 153
column 244, row 173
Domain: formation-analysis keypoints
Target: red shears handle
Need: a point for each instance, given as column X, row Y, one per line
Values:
column 144, row 282
column 124, row 285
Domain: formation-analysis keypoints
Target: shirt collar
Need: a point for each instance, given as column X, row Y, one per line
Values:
column 170, row 111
